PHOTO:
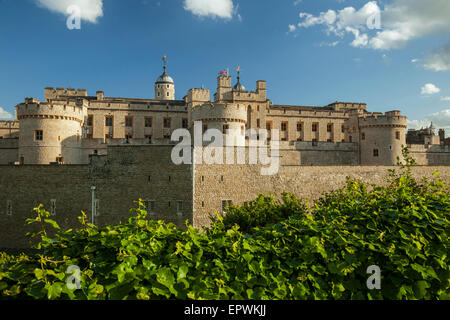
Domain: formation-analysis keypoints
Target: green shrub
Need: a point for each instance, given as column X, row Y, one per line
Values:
column 403, row 228
column 262, row 212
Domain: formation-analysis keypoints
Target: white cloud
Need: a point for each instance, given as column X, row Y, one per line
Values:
column 210, row 8
column 445, row 98
column 5, row 114
column 441, row 120
column 439, row 59
column 91, row 10
column 414, row 60
column 401, row 22
column 429, row 89
column 292, row 28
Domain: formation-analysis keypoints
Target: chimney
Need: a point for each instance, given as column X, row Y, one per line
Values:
column 100, row 95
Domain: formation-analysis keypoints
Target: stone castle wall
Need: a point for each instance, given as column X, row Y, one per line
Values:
column 122, row 177
column 243, row 183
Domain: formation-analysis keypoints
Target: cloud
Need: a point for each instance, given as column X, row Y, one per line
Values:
column 445, row 98
column 91, row 10
column 5, row 114
column 429, row 89
column 441, row 120
column 292, row 28
column 401, row 21
column 223, row 9
column 439, row 59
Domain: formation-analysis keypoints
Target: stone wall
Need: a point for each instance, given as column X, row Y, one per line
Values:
column 240, row 183
column 122, row 177
column 9, row 150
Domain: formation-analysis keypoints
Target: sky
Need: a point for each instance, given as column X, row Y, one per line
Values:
column 391, row 54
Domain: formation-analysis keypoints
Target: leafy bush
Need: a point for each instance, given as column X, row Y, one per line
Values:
column 402, row 228
column 262, row 212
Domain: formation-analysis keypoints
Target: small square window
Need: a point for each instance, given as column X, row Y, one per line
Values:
column 375, row 153
column 39, row 135
column 284, row 126
column 179, row 207
column 363, row 136
column 299, row 127
column 148, row 122
column 184, row 123
column 226, row 127
column 167, row 123
column 90, row 121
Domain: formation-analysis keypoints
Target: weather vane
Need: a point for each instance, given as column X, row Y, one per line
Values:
column 164, row 59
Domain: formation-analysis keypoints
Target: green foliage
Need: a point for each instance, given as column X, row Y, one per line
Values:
column 262, row 212
column 286, row 252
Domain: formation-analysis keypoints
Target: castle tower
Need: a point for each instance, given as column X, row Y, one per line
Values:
column 51, row 132
column 164, row 85
column 382, row 138
column 223, row 87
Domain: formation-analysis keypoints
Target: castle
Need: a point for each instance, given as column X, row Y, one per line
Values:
column 56, row 150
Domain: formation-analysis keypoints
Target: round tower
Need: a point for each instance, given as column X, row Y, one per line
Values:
column 230, row 119
column 382, row 138
column 50, row 132
column 164, row 85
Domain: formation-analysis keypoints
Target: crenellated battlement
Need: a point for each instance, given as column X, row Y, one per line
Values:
column 198, row 95
column 52, row 93
column 33, row 108
column 220, row 112
column 378, row 119
column 9, row 124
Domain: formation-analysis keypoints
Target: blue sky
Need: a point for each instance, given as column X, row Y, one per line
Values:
column 310, row 52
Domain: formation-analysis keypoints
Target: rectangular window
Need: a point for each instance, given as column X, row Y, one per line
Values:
column 363, row 136
column 329, row 127
column 258, row 123
column 375, row 153
column 148, row 122
column 109, row 121
column 39, row 135
column 179, row 207
column 167, row 123
column 225, row 128
column 9, row 207
column 184, row 123
column 343, row 129
column 315, row 127
column 225, row 205
column 350, row 139
column 397, row 135
column 53, row 207
column 284, row 126
column 205, row 128
column 128, row 121
column 90, row 121
column 299, row 127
